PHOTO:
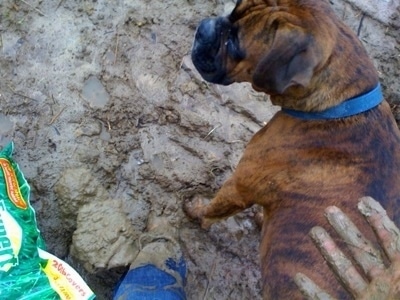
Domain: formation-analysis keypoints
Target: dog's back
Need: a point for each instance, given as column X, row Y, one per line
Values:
column 318, row 164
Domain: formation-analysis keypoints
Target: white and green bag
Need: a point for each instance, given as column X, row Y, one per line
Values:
column 27, row 271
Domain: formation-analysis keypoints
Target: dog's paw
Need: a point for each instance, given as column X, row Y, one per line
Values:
column 195, row 209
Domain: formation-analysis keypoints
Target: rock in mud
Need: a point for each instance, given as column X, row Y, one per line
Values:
column 77, row 187
column 104, row 238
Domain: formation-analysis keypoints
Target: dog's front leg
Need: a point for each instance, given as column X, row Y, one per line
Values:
column 228, row 201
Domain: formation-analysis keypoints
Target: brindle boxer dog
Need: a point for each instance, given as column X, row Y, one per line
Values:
column 323, row 148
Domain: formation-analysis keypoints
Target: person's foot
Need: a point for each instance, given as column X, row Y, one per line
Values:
column 159, row 270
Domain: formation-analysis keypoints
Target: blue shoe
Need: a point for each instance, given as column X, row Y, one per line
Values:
column 159, row 270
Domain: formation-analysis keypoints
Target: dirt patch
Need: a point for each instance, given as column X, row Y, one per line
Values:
column 110, row 120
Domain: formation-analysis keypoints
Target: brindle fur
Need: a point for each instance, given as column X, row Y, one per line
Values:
column 296, row 168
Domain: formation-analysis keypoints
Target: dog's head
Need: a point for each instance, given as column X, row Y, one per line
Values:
column 279, row 46
column 272, row 44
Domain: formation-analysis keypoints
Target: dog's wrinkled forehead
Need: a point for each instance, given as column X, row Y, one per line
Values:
column 254, row 14
column 244, row 7
column 239, row 10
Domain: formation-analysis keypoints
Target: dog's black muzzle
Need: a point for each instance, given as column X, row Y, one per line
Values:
column 215, row 41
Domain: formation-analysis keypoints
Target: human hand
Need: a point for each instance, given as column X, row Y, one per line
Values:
column 377, row 281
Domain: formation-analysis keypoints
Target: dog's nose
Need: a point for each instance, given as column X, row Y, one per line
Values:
column 206, row 32
column 205, row 50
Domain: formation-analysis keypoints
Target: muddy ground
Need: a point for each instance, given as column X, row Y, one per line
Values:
column 114, row 129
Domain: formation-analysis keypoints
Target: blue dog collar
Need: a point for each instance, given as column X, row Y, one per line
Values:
column 345, row 109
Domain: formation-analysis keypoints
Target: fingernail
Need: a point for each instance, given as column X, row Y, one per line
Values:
column 368, row 206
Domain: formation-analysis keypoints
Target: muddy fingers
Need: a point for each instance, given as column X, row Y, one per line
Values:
column 338, row 262
column 362, row 250
column 309, row 289
column 384, row 283
column 386, row 231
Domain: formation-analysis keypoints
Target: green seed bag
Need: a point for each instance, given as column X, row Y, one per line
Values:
column 27, row 271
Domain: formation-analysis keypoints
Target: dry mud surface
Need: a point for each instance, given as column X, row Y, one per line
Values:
column 114, row 129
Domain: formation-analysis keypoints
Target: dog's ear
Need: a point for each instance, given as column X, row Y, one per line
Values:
column 290, row 61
